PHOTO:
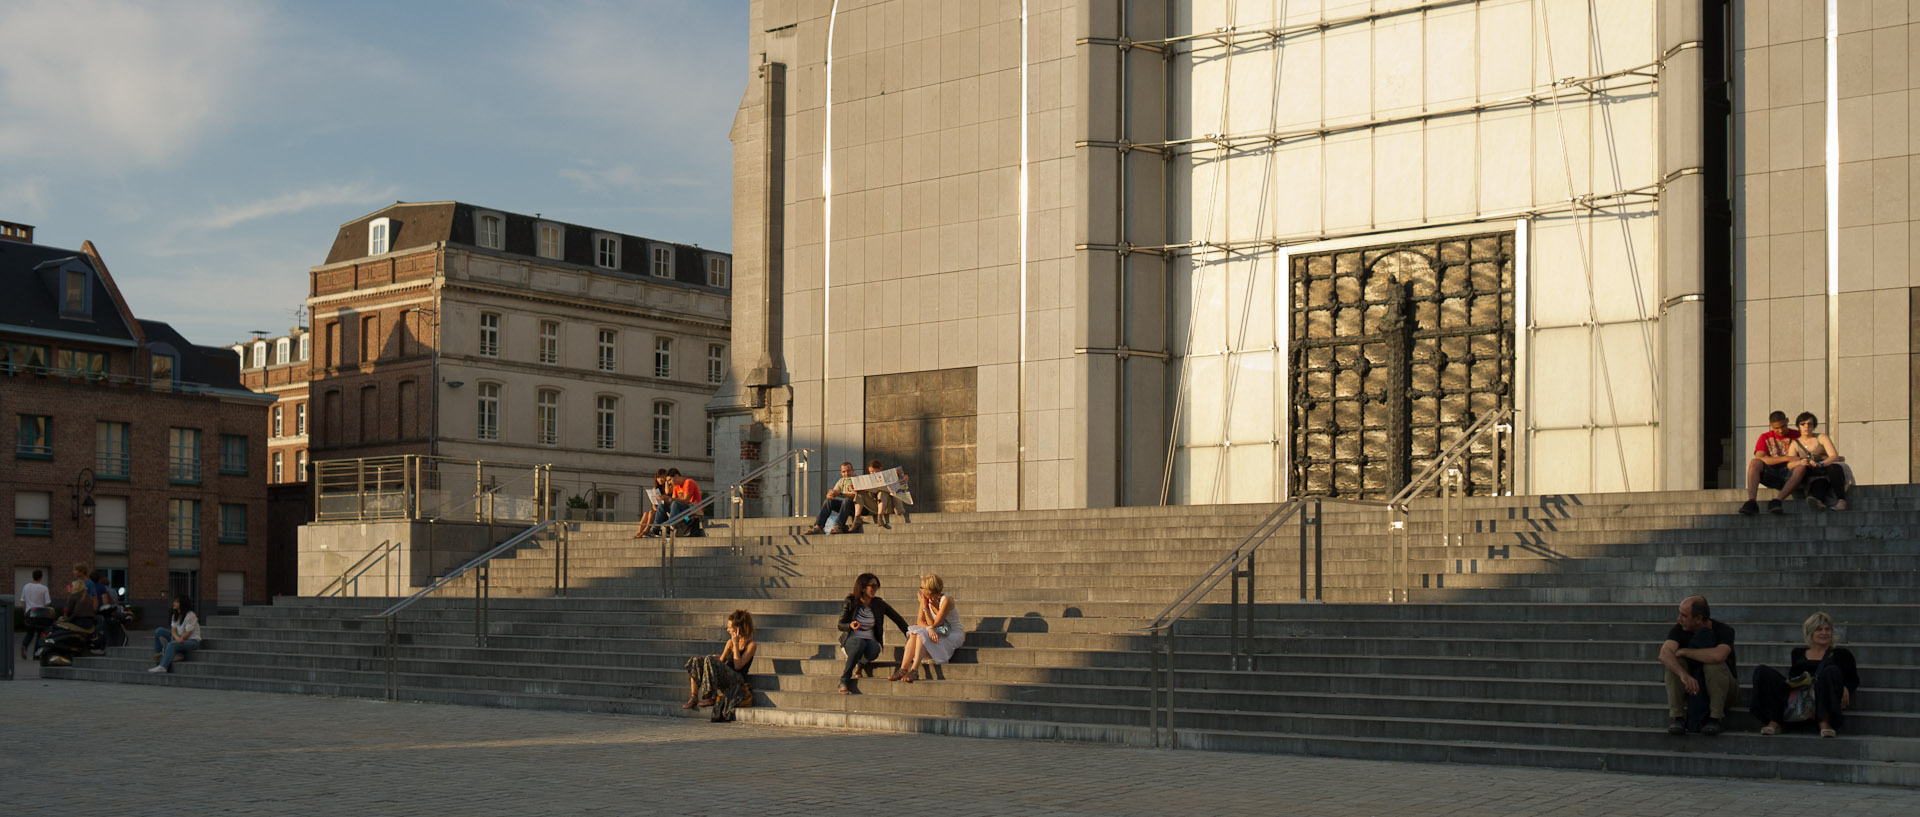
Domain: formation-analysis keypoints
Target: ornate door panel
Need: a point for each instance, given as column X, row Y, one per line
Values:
column 1395, row 350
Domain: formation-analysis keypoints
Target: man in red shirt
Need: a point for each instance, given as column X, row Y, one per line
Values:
column 1769, row 465
column 686, row 494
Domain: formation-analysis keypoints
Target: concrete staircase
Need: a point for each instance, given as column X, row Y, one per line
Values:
column 1530, row 643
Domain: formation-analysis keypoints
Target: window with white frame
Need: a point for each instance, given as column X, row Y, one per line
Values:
column 717, row 273
column 279, row 466
column 549, row 342
column 377, row 238
column 604, row 504
column 662, row 427
column 662, row 266
column 716, row 363
column 300, row 466
column 606, row 412
column 663, row 357
column 609, row 350
column 709, row 436
column 546, row 417
column 259, row 353
column 487, row 424
column 606, row 251
column 306, row 346
column 300, row 420
column 281, row 348
column 489, row 334
column 552, row 240
column 279, row 415
column 490, row 231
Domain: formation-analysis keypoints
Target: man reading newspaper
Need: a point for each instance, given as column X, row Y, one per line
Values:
column 881, row 492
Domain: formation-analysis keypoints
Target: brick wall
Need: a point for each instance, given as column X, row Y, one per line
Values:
column 76, row 407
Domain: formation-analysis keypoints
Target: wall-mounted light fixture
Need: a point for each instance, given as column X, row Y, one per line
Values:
column 83, row 494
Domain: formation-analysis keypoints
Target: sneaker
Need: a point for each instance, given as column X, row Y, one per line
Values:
column 158, row 669
column 1840, row 505
column 1711, row 727
column 1749, row 508
column 1815, row 503
column 1769, row 729
column 1678, row 727
column 1827, row 732
column 1773, row 507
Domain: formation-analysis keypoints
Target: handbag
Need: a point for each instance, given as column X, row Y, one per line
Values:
column 941, row 630
column 1800, row 700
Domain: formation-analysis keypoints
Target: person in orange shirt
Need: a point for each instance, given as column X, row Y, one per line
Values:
column 686, row 494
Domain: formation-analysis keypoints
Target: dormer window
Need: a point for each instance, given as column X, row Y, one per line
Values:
column 552, row 239
column 74, row 289
column 377, row 236
column 281, row 348
column 662, row 264
column 606, row 251
column 718, row 275
column 490, row 231
column 259, row 353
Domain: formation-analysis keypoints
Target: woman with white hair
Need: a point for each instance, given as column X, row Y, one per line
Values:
column 1819, row 669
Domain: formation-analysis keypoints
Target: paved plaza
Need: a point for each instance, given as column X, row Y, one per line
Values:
column 183, row 751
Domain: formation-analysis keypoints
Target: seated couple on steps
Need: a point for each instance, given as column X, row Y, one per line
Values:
column 1787, row 459
column 846, row 504
column 934, row 637
column 1820, row 684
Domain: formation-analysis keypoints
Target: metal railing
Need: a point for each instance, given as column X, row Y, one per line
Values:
column 479, row 567
column 413, row 486
column 1448, row 474
column 1238, row 565
column 668, row 548
column 802, row 477
column 350, row 577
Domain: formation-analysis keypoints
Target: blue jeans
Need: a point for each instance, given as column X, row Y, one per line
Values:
column 164, row 644
column 859, row 651
column 839, row 503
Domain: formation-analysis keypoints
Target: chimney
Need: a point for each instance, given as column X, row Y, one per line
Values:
column 10, row 231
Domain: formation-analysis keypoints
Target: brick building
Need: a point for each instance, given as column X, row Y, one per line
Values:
column 281, row 366
column 127, row 447
column 454, row 330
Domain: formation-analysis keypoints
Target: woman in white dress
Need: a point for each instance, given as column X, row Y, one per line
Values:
column 936, row 635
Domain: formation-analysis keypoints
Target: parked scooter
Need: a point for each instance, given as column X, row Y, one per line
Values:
column 60, row 642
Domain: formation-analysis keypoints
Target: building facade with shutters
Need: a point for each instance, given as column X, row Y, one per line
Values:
column 126, row 447
column 1239, row 251
column 454, row 330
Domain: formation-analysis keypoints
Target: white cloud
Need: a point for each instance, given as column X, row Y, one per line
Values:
column 298, row 201
column 114, row 85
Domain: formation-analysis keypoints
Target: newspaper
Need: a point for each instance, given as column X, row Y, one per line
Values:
column 892, row 479
column 654, row 496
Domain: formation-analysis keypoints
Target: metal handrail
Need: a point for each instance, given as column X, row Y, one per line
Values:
column 667, row 544
column 479, row 566
column 359, row 568
column 1237, row 564
column 1445, row 471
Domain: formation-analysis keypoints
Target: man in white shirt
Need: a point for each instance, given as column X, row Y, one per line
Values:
column 33, row 595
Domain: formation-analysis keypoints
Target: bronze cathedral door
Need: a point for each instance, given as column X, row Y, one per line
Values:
column 1394, row 351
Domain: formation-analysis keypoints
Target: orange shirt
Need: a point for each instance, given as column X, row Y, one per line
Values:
column 686, row 490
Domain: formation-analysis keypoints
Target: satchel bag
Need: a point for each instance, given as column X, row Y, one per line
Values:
column 1800, row 700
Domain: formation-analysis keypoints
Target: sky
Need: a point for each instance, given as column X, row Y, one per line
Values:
column 210, row 150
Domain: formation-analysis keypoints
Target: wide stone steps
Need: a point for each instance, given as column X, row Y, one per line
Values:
column 1535, row 647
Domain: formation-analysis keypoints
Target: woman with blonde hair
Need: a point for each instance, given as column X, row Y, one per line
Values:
column 720, row 681
column 936, row 635
column 1832, row 673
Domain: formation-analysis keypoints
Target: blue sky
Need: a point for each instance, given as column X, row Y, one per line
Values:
column 211, row 149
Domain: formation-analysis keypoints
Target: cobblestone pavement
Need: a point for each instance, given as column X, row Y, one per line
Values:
column 183, row 751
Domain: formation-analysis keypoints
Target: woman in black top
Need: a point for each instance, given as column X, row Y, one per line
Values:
column 858, row 634
column 720, row 681
column 1835, row 678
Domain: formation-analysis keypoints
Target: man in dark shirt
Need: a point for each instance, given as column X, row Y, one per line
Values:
column 1698, row 660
